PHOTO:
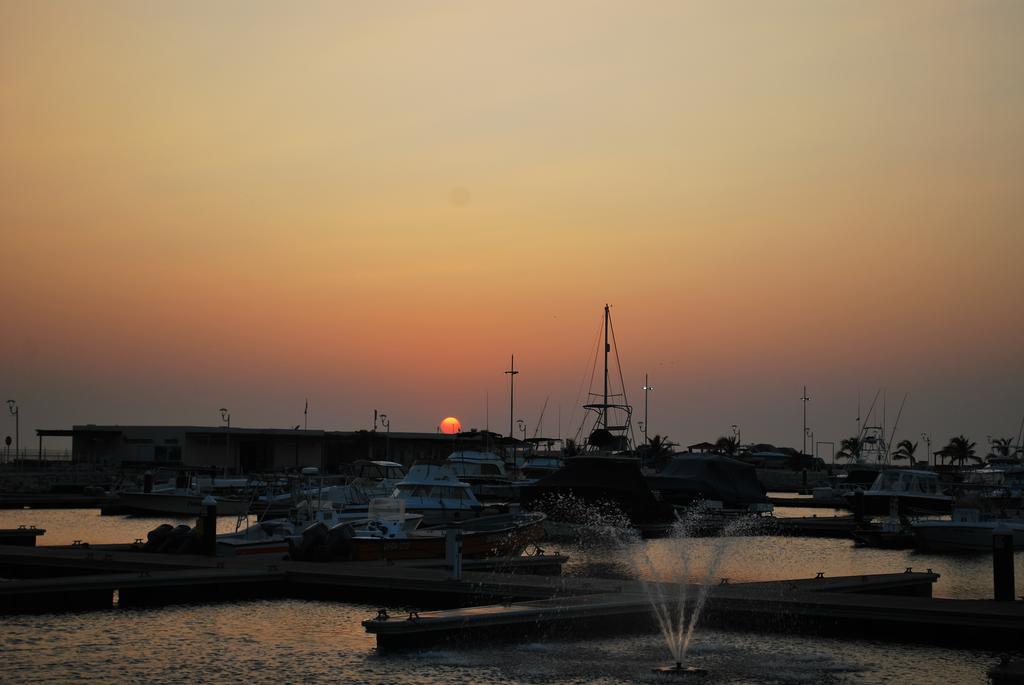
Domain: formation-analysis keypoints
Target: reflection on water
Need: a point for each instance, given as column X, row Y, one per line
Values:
column 64, row 526
column 303, row 641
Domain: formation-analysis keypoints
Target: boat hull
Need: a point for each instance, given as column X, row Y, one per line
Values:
column 907, row 505
column 950, row 536
column 160, row 504
column 430, row 544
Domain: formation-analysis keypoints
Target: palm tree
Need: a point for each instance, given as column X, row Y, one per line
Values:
column 850, row 448
column 657, row 451
column 905, row 450
column 727, row 446
column 959, row 450
column 1001, row 447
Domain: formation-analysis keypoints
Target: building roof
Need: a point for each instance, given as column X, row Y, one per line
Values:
column 236, row 430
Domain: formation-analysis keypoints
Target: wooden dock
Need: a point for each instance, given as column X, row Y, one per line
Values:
column 810, row 502
column 523, row 595
column 872, row 606
column 813, row 526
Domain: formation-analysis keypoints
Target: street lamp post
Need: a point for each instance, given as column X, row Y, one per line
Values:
column 386, row 422
column 511, row 394
column 522, row 427
column 736, row 434
column 12, row 406
column 647, row 388
column 805, row 399
column 928, row 446
column 226, row 418
column 810, row 434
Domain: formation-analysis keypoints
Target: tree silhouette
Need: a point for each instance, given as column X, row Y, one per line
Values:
column 905, row 450
column 850, row 448
column 657, row 451
column 1001, row 447
column 959, row 450
column 728, row 446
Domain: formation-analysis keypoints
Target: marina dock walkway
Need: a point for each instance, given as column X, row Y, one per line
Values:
column 521, row 595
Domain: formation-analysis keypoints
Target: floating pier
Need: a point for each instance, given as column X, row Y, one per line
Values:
column 523, row 596
column 22, row 536
column 815, row 526
column 810, row 502
column 873, row 605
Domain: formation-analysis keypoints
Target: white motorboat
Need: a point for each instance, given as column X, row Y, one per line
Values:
column 271, row 536
column 538, row 466
column 485, row 472
column 384, row 537
column 915, row 491
column 969, row 530
column 181, row 497
column 436, row 492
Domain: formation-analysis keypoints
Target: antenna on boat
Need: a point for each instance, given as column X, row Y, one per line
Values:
column 1020, row 434
column 540, row 421
column 858, row 413
column 871, row 408
column 892, row 437
column 607, row 349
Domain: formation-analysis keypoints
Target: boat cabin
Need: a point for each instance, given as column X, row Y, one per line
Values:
column 911, row 482
column 477, row 465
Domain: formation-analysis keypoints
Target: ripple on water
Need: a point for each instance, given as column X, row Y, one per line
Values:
column 299, row 641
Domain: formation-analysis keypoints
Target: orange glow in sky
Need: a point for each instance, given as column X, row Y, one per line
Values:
column 245, row 204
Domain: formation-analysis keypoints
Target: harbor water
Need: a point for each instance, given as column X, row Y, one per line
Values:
column 306, row 641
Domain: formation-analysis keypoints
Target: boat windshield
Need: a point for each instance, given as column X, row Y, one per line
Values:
column 907, row 481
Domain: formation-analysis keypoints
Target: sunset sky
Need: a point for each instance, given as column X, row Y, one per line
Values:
column 373, row 205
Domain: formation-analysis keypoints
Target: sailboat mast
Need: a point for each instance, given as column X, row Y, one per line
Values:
column 607, row 348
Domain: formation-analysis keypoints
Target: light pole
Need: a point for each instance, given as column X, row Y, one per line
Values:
column 386, row 422
column 522, row 427
column 805, row 399
column 928, row 446
column 12, row 405
column 226, row 418
column 647, row 388
column 736, row 434
column 511, row 394
column 810, row 434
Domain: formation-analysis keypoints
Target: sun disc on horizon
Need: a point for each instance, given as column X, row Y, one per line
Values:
column 451, row 426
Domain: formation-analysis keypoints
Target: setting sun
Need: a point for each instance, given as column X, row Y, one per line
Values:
column 451, row 426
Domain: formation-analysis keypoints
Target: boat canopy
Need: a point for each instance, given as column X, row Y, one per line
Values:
column 711, row 477
column 602, row 479
column 906, row 480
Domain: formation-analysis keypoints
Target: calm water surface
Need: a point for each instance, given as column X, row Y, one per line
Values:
column 305, row 641
column 302, row 641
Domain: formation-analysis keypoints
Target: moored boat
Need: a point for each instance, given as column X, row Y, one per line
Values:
column 969, row 530
column 590, row 487
column 180, row 502
column 487, row 536
column 385, row 536
column 915, row 491
column 436, row 492
column 486, row 474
